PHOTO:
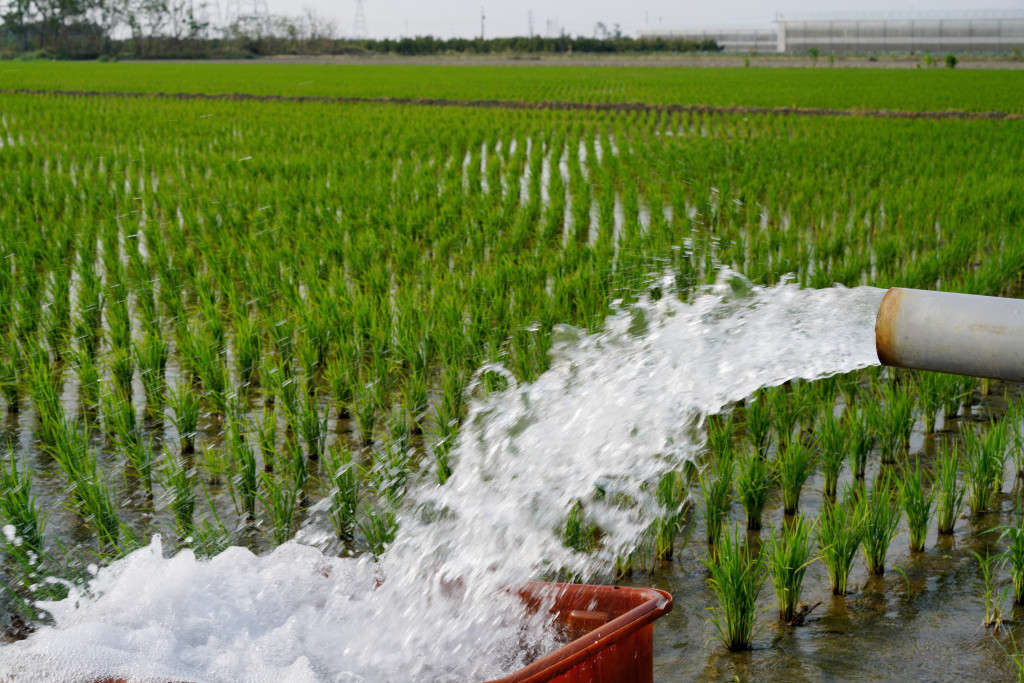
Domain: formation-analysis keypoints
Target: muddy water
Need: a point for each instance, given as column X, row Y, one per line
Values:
column 922, row 621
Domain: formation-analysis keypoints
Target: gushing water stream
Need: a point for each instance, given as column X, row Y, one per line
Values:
column 614, row 412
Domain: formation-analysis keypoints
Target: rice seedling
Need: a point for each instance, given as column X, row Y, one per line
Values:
column 248, row 347
column 1015, row 431
column 343, row 480
column 929, row 395
column 184, row 416
column 983, row 469
column 378, row 528
column 759, row 422
column 720, row 435
column 18, row 506
column 754, row 477
column 787, row 409
column 122, row 370
column 266, row 438
column 894, row 421
column 881, row 518
column 858, row 426
column 578, row 532
column 280, row 498
column 715, row 484
column 312, row 427
column 243, row 484
column 951, row 393
column 794, row 465
column 177, row 479
column 672, row 496
column 839, row 530
column 833, row 442
column 950, row 496
column 338, row 374
column 151, row 357
column 737, row 576
column 918, row 507
column 790, row 553
column 993, row 597
column 94, row 500
column 140, row 455
column 1014, row 553
column 10, row 383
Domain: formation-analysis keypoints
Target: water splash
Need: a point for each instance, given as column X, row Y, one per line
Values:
column 615, row 411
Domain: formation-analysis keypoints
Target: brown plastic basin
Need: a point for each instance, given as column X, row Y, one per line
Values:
column 616, row 628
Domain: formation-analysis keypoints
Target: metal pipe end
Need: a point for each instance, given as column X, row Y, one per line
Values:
column 885, row 327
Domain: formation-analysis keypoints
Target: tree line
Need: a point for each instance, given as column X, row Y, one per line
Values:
column 154, row 29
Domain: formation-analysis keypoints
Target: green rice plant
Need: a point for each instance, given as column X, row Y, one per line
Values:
column 849, row 386
column 94, row 500
column 754, row 477
column 787, row 410
column 833, row 443
column 929, row 395
column 790, row 553
column 151, row 357
column 578, row 532
column 737, row 576
column 994, row 598
column 140, row 455
column 248, row 347
column 794, row 465
column 343, row 480
column 177, row 479
column 213, row 373
column 10, row 374
column 951, row 393
column 339, row 374
column 312, row 427
column 982, row 469
column 378, row 527
column 1015, row 431
column 1014, row 553
column 881, row 519
column 184, row 415
column 996, row 442
column 280, row 498
column 895, row 421
column 210, row 538
column 672, row 496
column 839, row 530
column 368, row 394
column 759, row 422
column 720, row 435
column 858, row 426
column 122, row 370
column 950, row 496
column 918, row 507
column 18, row 507
column 215, row 462
column 88, row 378
column 715, row 484
column 297, row 467
column 266, row 438
column 244, row 483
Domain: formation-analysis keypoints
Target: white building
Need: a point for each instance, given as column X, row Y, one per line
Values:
column 991, row 32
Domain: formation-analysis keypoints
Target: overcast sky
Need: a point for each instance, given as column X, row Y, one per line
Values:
column 448, row 18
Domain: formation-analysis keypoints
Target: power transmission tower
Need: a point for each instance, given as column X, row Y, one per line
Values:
column 359, row 29
column 531, row 23
column 482, row 18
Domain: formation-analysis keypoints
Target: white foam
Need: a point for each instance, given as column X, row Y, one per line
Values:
column 616, row 409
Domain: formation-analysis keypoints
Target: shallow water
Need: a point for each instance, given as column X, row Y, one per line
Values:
column 615, row 411
column 920, row 621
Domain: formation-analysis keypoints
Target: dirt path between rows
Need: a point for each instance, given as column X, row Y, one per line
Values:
column 556, row 105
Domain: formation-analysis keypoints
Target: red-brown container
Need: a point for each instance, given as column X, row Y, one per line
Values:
column 615, row 624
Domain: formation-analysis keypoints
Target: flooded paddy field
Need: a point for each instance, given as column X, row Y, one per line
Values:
column 364, row 360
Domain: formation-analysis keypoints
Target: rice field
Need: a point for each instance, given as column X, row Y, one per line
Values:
column 233, row 322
